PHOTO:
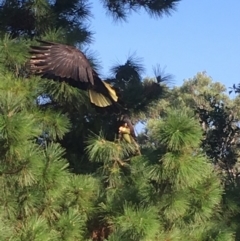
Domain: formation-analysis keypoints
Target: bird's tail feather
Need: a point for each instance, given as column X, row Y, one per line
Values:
column 111, row 91
column 99, row 99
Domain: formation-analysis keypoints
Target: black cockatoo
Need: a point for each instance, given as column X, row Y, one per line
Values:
column 126, row 131
column 67, row 63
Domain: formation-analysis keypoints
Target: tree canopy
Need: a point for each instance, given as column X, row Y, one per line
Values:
column 66, row 174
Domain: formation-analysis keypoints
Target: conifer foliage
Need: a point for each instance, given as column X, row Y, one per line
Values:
column 64, row 173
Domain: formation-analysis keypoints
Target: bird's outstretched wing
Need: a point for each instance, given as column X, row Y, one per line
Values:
column 54, row 60
column 67, row 63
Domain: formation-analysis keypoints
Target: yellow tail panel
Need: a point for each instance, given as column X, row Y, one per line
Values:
column 99, row 99
column 111, row 91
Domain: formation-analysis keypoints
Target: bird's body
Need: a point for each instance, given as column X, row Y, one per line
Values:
column 66, row 63
column 127, row 133
column 126, row 126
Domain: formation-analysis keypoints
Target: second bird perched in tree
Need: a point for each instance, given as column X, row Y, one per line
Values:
column 67, row 63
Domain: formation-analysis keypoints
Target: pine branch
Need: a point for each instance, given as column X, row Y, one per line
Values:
column 120, row 9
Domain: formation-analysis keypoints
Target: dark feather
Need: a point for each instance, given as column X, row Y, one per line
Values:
column 66, row 63
column 62, row 61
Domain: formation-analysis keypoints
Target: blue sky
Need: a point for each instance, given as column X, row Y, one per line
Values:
column 202, row 35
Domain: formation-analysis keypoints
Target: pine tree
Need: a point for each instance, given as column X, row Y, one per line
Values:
column 40, row 198
column 120, row 9
column 193, row 190
column 175, row 193
column 64, row 176
column 218, row 117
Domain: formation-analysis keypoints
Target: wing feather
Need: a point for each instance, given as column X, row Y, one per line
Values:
column 61, row 61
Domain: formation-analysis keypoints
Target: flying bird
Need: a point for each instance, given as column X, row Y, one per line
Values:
column 66, row 63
